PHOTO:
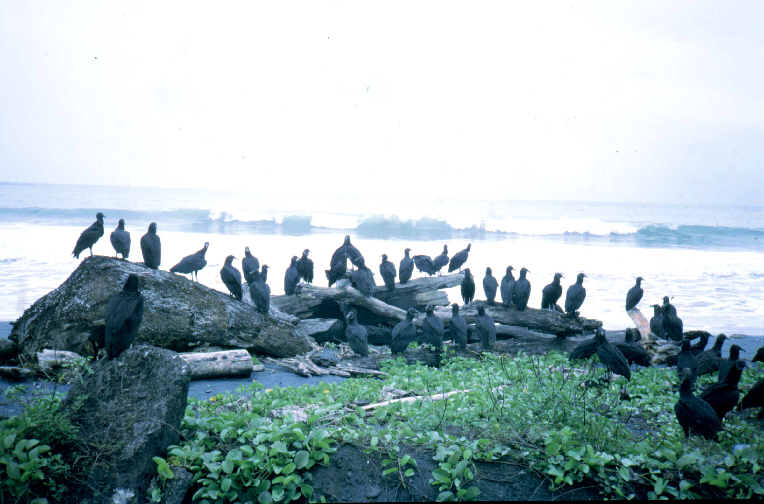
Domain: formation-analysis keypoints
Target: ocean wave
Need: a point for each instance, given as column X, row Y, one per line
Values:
column 376, row 226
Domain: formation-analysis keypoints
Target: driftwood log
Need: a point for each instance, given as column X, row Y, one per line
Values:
column 227, row 363
column 179, row 315
column 538, row 320
column 48, row 359
column 420, row 292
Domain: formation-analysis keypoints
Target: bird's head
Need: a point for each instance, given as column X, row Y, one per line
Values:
column 454, row 308
column 580, row 277
column 305, row 252
column 665, row 300
column 509, row 269
column 153, row 228
column 639, row 280
column 445, row 248
column 384, row 257
column 557, row 276
column 488, row 271
column 100, row 216
column 131, row 285
column 294, row 261
column 206, row 245
column 406, row 251
column 481, row 310
column 229, row 259
column 347, row 239
column 467, row 273
column 121, row 224
column 246, row 251
column 523, row 271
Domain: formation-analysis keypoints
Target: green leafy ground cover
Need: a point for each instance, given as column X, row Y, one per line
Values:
column 569, row 424
column 559, row 420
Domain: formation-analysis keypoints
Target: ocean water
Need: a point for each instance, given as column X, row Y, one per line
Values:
column 709, row 259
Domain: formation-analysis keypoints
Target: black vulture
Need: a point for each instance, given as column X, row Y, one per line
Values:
column 551, row 293
column 726, row 364
column 406, row 267
column 656, row 322
column 424, row 264
column 259, row 290
column 724, row 395
column 459, row 259
column 120, row 240
column 521, row 291
column 695, row 415
column 633, row 351
column 490, row 285
column 151, row 247
column 634, row 296
column 432, row 329
column 338, row 263
column 250, row 266
column 291, row 277
column 507, row 286
column 754, row 398
column 575, row 296
column 698, row 347
column 584, row 350
column 672, row 324
column 356, row 335
column 468, row 287
column 387, row 270
column 231, row 278
column 709, row 361
column 353, row 254
column 305, row 267
column 611, row 357
column 486, row 328
column 440, row 260
column 458, row 327
column 88, row 237
column 124, row 313
column 363, row 279
column 759, row 357
column 687, row 360
column 192, row 263
column 404, row 333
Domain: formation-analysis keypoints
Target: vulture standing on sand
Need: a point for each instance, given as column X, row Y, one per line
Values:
column 250, row 266
column 507, row 286
column 424, row 264
column 440, row 260
column 356, row 335
column 120, row 240
column 231, row 278
column 404, row 333
column 459, row 259
column 192, row 263
column 490, row 285
column 363, row 279
column 468, row 287
column 694, row 414
column 291, row 277
column 486, row 328
column 634, row 295
column 124, row 313
column 432, row 329
column 151, row 247
column 584, row 350
column 724, row 395
column 551, row 293
column 656, row 322
column 88, row 237
column 575, row 296
column 406, row 267
column 305, row 267
column 521, row 291
column 458, row 327
column 611, row 357
column 259, row 290
column 387, row 270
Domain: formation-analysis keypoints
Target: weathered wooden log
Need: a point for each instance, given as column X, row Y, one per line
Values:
column 312, row 301
column 228, row 363
column 539, row 320
column 179, row 315
column 15, row 373
column 48, row 359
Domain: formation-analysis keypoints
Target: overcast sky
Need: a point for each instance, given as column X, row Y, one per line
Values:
column 610, row 101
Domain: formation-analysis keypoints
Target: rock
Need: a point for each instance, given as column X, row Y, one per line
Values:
column 178, row 314
column 128, row 411
column 15, row 373
column 325, row 358
column 9, row 351
column 175, row 489
column 48, row 359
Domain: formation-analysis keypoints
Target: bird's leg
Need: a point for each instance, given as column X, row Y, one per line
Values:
column 91, row 251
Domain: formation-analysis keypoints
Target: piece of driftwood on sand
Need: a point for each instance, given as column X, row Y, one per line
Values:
column 223, row 364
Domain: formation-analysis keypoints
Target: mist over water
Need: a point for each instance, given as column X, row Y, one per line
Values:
column 710, row 259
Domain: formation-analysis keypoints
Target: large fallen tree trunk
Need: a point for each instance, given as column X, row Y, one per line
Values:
column 539, row 320
column 312, row 301
column 178, row 314
column 227, row 363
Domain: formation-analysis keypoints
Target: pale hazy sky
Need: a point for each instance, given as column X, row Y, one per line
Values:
column 612, row 101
